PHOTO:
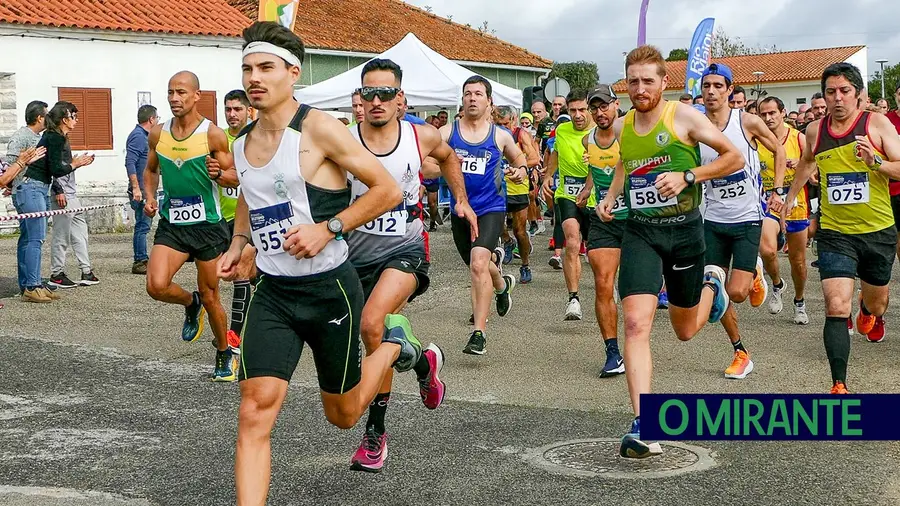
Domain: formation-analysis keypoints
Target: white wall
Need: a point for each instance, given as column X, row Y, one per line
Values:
column 41, row 65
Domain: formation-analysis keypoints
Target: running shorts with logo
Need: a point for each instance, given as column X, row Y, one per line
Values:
column 602, row 163
column 322, row 310
column 798, row 221
column 664, row 236
column 573, row 174
column 410, row 259
column 191, row 218
column 857, row 235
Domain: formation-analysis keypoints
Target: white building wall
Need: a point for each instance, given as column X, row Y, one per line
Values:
column 42, row 65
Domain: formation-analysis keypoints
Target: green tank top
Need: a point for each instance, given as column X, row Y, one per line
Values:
column 228, row 197
column 191, row 197
column 602, row 162
column 645, row 157
column 573, row 172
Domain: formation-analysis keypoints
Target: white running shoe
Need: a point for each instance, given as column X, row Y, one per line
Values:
column 775, row 302
column 573, row 310
column 800, row 316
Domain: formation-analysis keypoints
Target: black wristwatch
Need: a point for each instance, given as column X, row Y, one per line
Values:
column 781, row 192
column 689, row 178
column 336, row 227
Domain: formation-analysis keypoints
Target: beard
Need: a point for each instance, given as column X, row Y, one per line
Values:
column 654, row 101
column 379, row 122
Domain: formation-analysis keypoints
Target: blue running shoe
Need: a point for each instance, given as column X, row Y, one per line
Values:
column 397, row 330
column 508, row 252
column 633, row 448
column 663, row 302
column 715, row 276
column 614, row 365
column 193, row 319
column 524, row 275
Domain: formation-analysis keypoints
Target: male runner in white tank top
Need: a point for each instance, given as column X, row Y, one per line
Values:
column 390, row 253
column 734, row 211
column 293, row 163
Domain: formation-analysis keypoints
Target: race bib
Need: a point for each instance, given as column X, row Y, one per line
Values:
column 390, row 224
column 731, row 187
column 572, row 186
column 848, row 188
column 231, row 193
column 186, row 210
column 620, row 200
column 269, row 225
column 644, row 195
column 473, row 165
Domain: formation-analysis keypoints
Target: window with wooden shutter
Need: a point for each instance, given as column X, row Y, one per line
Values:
column 94, row 129
column 207, row 105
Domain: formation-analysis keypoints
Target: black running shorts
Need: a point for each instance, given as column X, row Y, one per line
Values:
column 490, row 226
column 568, row 210
column 733, row 245
column 516, row 203
column 201, row 241
column 868, row 256
column 651, row 252
column 410, row 259
column 605, row 234
column 321, row 310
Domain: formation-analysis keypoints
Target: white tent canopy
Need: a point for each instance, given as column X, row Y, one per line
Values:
column 429, row 80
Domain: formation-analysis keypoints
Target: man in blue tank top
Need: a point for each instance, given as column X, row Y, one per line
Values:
column 479, row 146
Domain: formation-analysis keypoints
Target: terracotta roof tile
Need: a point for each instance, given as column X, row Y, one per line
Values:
column 369, row 26
column 337, row 24
column 189, row 17
column 805, row 65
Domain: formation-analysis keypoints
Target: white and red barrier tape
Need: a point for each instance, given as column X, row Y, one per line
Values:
column 44, row 214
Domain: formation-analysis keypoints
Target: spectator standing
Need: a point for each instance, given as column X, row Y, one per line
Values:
column 34, row 193
column 136, row 149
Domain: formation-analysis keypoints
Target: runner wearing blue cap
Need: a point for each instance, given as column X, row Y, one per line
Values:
column 734, row 208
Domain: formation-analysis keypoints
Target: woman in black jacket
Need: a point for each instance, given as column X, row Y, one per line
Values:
column 33, row 195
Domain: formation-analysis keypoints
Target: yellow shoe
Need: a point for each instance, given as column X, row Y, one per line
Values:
column 760, row 289
column 740, row 367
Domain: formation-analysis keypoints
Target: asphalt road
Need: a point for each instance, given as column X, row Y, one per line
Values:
column 102, row 404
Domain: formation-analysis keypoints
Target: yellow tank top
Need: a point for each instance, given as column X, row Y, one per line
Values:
column 855, row 200
column 793, row 150
column 513, row 189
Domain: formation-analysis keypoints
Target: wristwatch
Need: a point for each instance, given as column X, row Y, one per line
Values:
column 689, row 177
column 780, row 192
column 878, row 162
column 336, row 227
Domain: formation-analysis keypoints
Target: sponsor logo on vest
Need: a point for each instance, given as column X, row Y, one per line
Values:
column 654, row 162
column 662, row 139
column 281, row 188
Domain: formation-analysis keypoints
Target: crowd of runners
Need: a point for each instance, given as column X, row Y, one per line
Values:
column 322, row 229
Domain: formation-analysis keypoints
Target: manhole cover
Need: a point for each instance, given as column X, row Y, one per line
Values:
column 600, row 458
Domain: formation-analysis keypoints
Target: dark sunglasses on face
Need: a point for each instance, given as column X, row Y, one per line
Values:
column 384, row 93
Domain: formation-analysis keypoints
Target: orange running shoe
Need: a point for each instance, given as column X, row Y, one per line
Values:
column 839, row 388
column 233, row 339
column 740, row 367
column 864, row 324
column 760, row 289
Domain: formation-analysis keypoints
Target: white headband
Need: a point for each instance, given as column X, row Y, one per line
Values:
column 266, row 47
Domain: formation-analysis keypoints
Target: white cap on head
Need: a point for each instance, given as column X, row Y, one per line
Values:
column 268, row 47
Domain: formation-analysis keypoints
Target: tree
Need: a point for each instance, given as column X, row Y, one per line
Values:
column 723, row 46
column 891, row 79
column 678, row 54
column 581, row 75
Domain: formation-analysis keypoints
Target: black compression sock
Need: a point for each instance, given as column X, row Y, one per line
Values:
column 240, row 303
column 837, row 346
column 573, row 295
column 739, row 346
column 377, row 410
column 422, row 367
column 780, row 285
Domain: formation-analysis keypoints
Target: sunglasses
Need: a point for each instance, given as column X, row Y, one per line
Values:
column 384, row 93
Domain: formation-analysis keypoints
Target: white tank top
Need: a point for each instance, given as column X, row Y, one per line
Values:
column 736, row 198
column 279, row 198
column 402, row 226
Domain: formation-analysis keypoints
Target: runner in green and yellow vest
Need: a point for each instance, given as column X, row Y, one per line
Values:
column 857, row 153
column 191, row 227
column 604, row 240
column 567, row 157
column 660, row 172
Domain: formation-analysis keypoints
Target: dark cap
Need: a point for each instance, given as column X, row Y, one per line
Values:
column 604, row 92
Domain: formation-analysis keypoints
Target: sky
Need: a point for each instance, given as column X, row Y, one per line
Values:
column 601, row 30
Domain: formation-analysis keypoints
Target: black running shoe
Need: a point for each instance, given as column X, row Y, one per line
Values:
column 61, row 281
column 89, row 279
column 504, row 299
column 193, row 320
column 475, row 346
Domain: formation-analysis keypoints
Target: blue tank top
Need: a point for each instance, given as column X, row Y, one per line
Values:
column 485, row 184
